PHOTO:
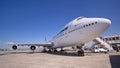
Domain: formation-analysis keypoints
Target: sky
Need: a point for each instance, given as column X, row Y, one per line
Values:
column 30, row 21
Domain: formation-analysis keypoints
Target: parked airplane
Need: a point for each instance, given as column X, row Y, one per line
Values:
column 77, row 32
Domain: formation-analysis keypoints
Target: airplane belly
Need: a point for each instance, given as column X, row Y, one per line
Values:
column 69, row 40
column 61, row 42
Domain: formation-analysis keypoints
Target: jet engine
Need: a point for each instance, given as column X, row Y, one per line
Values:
column 32, row 47
column 14, row 47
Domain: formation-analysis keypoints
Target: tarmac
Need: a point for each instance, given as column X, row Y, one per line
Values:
column 26, row 59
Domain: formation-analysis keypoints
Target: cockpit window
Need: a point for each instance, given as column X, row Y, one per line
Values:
column 80, row 18
column 95, row 22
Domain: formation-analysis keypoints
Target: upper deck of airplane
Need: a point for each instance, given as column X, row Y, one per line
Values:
column 79, row 18
column 75, row 20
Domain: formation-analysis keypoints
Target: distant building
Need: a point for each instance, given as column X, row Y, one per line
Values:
column 113, row 40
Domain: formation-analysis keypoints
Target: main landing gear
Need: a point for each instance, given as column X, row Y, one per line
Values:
column 61, row 50
column 50, row 50
column 80, row 52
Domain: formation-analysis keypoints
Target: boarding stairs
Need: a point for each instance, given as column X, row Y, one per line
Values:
column 98, row 40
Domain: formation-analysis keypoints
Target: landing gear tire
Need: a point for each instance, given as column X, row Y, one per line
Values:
column 49, row 51
column 61, row 50
column 55, row 51
column 80, row 53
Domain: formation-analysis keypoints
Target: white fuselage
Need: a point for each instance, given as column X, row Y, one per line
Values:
column 80, row 31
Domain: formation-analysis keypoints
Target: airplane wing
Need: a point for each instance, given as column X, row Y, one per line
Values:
column 32, row 46
column 44, row 44
column 48, row 44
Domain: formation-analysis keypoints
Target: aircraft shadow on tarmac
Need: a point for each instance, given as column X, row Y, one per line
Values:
column 115, row 61
column 64, row 54
column 53, row 53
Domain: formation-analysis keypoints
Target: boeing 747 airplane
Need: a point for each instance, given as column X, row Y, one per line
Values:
column 77, row 32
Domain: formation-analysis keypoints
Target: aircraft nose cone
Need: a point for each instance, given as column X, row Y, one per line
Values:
column 107, row 21
column 104, row 22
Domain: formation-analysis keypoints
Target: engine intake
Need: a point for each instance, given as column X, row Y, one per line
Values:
column 32, row 47
column 14, row 47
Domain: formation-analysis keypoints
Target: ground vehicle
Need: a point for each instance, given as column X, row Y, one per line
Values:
column 99, row 50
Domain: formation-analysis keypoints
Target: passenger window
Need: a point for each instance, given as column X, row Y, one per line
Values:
column 117, row 38
column 89, row 24
column 95, row 22
column 86, row 25
column 110, row 39
column 113, row 38
column 106, row 39
column 92, row 23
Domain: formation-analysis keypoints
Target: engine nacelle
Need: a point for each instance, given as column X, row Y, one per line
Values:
column 14, row 47
column 32, row 47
